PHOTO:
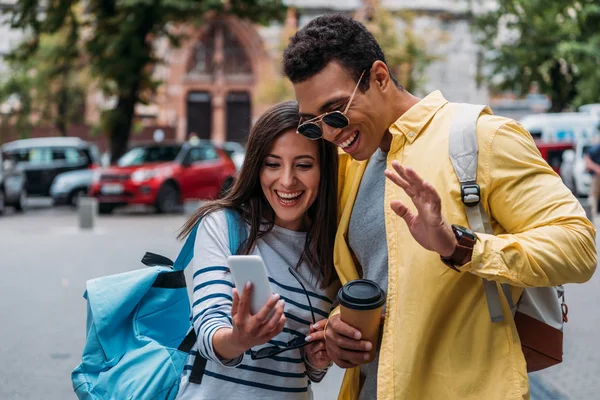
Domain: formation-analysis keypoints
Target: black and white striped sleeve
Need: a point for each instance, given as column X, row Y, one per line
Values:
column 213, row 284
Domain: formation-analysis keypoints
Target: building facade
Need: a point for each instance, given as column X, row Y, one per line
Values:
column 211, row 81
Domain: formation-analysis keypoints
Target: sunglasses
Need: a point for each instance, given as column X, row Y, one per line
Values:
column 311, row 129
column 296, row 343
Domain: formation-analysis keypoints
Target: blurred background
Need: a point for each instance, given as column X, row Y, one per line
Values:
column 118, row 117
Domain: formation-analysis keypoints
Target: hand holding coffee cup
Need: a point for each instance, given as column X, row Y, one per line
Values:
column 352, row 336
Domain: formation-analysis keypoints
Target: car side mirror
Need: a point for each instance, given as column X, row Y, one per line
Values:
column 8, row 165
column 568, row 156
column 187, row 161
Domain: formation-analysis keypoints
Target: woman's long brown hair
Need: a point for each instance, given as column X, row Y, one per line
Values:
column 246, row 195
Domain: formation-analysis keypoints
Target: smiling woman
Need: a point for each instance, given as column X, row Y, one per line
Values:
column 286, row 196
column 290, row 179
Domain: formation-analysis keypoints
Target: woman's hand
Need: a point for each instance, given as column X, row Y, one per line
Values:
column 253, row 330
column 315, row 350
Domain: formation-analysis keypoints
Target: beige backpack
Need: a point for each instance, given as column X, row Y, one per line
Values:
column 540, row 312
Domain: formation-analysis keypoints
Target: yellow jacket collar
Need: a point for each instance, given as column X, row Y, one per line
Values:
column 411, row 123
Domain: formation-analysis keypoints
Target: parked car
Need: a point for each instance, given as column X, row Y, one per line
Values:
column 12, row 185
column 69, row 187
column 574, row 172
column 236, row 152
column 164, row 176
column 553, row 152
column 43, row 159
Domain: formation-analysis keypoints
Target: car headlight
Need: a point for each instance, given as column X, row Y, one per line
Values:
column 142, row 175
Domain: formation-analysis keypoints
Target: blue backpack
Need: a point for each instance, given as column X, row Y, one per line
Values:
column 139, row 333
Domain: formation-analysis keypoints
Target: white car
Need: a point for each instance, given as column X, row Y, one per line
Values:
column 573, row 170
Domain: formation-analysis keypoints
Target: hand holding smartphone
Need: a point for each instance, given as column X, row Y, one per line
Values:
column 251, row 269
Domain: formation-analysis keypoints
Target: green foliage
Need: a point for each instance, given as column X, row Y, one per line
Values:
column 551, row 44
column 405, row 52
column 277, row 88
column 46, row 81
column 119, row 36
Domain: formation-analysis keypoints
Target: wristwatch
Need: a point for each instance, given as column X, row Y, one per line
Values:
column 466, row 241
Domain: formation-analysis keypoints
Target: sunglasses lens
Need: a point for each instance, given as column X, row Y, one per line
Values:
column 310, row 131
column 336, row 120
column 267, row 352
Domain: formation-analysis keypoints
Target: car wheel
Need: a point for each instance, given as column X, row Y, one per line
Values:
column 76, row 195
column 168, row 199
column 22, row 202
column 2, row 203
column 225, row 187
column 105, row 208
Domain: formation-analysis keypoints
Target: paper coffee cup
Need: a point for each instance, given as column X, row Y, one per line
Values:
column 361, row 302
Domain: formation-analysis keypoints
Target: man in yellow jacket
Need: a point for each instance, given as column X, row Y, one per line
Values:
column 438, row 341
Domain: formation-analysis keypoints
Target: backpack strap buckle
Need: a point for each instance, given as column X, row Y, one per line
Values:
column 470, row 193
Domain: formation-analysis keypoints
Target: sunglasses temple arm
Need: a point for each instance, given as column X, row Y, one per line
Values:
column 353, row 93
column 305, row 293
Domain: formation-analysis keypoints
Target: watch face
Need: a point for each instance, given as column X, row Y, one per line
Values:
column 461, row 231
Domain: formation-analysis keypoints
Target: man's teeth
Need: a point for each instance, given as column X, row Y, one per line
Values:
column 349, row 141
column 288, row 196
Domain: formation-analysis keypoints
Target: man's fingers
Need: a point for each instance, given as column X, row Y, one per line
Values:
column 344, row 364
column 341, row 328
column 354, row 357
column 432, row 194
column 402, row 211
column 354, row 345
column 394, row 177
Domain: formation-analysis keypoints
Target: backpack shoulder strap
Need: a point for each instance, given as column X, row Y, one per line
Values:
column 464, row 153
column 237, row 235
column 236, row 229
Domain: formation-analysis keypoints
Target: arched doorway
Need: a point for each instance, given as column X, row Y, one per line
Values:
column 220, row 76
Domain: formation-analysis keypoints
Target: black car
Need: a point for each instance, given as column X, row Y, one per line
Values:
column 12, row 185
column 43, row 159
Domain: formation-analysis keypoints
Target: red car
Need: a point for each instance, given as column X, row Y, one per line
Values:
column 163, row 175
column 552, row 152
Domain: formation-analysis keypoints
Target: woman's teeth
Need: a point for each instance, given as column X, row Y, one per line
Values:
column 288, row 196
column 349, row 141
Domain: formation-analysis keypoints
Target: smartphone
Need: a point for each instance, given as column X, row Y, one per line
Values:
column 251, row 269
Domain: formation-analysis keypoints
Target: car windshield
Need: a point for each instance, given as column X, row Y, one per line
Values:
column 149, row 154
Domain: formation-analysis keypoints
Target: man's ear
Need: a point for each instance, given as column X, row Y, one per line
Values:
column 380, row 75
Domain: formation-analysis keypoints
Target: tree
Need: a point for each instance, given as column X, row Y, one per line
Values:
column 554, row 45
column 277, row 88
column 119, row 40
column 46, row 82
column 583, row 51
column 406, row 53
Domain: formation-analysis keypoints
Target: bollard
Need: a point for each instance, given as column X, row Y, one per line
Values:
column 87, row 209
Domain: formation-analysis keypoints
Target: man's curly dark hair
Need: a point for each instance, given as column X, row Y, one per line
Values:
column 332, row 37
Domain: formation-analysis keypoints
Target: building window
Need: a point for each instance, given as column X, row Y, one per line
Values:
column 236, row 60
column 204, row 52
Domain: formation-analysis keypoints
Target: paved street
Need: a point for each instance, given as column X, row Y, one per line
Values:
column 46, row 260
